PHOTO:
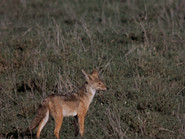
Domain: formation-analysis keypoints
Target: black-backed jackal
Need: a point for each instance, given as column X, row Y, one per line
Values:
column 74, row 104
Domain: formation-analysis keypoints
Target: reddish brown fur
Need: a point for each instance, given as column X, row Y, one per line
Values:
column 74, row 104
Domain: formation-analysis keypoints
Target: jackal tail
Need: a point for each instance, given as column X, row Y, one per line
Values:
column 42, row 111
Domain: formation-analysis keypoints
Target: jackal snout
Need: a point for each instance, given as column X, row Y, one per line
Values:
column 101, row 86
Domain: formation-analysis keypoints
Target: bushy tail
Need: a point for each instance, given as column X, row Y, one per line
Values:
column 40, row 115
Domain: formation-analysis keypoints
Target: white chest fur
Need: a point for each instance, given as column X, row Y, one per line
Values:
column 92, row 92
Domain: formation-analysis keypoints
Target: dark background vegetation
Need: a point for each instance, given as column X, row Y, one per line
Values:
column 137, row 46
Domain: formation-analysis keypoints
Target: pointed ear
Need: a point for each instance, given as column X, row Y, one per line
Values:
column 95, row 73
column 87, row 76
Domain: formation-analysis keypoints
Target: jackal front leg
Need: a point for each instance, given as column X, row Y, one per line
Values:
column 81, row 124
column 76, row 125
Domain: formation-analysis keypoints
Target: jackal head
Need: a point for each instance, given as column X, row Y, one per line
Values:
column 93, row 80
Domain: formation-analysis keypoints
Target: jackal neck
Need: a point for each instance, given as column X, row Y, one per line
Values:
column 90, row 92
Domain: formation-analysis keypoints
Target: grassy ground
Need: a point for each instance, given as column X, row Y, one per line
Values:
column 137, row 45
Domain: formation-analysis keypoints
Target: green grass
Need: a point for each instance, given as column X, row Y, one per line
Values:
column 137, row 46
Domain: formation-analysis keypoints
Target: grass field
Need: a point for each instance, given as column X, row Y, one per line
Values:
column 137, row 46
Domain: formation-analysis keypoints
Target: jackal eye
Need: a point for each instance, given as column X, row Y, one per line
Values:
column 99, row 83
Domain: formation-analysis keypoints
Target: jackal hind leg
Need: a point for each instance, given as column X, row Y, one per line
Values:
column 42, row 124
column 58, row 124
